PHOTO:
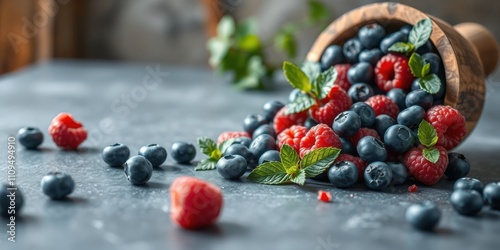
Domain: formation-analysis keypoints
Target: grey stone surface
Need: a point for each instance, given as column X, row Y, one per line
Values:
column 107, row 212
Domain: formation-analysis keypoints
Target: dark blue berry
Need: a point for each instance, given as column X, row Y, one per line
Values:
column 264, row 129
column 406, row 29
column 426, row 48
column 365, row 112
column 270, row 155
column 116, row 154
column 261, row 144
column 360, row 72
column 467, row 183
column 437, row 96
column 57, row 185
column 411, row 116
column 419, row 97
column 371, row 56
column 30, row 137
column 241, row 150
column 370, row 35
column 382, row 123
column 351, row 49
column 391, row 39
column 271, row 108
column 491, row 195
column 466, row 202
column 360, row 92
column 348, row 147
column 245, row 141
column 399, row 172
column 252, row 122
column 11, row 201
column 424, row 216
column 458, row 166
column 231, row 166
column 346, row 124
column 399, row 138
column 343, row 174
column 435, row 62
column 377, row 175
column 154, row 153
column 415, row 137
column 138, row 170
column 183, row 152
column 398, row 96
column 333, row 55
column 371, row 149
column 310, row 122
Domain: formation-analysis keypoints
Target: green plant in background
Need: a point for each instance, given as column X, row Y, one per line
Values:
column 239, row 51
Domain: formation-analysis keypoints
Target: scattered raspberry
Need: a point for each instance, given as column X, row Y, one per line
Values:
column 360, row 164
column 413, row 188
column 362, row 132
column 224, row 136
column 282, row 121
column 319, row 136
column 341, row 97
column 423, row 170
column 292, row 137
column 382, row 104
column 66, row 132
column 324, row 196
column 449, row 125
column 342, row 76
column 195, row 203
column 392, row 71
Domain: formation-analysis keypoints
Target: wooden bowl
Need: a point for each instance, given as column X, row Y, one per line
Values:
column 469, row 51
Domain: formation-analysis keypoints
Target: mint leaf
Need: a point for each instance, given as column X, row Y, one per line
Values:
column 226, row 27
column 224, row 145
column 420, row 32
column 430, row 83
column 246, row 28
column 312, row 70
column 318, row 160
column 206, row 164
column 250, row 43
column 325, row 82
column 286, row 42
column 416, row 64
column 218, row 50
column 297, row 78
column 289, row 158
column 271, row 173
column 300, row 178
column 426, row 69
column 207, row 145
column 431, row 154
column 427, row 134
column 317, row 11
column 301, row 103
column 402, row 47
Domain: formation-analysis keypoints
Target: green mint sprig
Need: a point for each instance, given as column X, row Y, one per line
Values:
column 213, row 151
column 292, row 169
column 428, row 137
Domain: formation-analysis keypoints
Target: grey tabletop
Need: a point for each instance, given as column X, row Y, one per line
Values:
column 139, row 104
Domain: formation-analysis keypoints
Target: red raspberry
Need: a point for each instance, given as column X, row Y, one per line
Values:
column 224, row 136
column 292, row 137
column 195, row 203
column 282, row 121
column 413, row 188
column 382, row 104
column 449, row 125
column 360, row 164
column 423, row 170
column 341, row 96
column 362, row 132
column 392, row 71
column 66, row 132
column 342, row 76
column 324, row 196
column 319, row 136
column 336, row 102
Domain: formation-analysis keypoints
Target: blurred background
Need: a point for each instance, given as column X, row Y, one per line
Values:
column 174, row 31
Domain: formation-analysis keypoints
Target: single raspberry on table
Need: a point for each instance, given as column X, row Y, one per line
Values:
column 392, row 71
column 292, row 137
column 413, row 188
column 342, row 76
column 324, row 196
column 449, row 125
column 383, row 105
column 319, row 136
column 423, row 170
column 66, row 132
column 224, row 136
column 360, row 164
column 194, row 203
column 362, row 132
column 283, row 121
column 327, row 109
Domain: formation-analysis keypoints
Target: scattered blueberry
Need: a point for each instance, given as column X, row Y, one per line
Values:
column 419, row 97
column 360, row 92
column 371, row 149
column 57, row 185
column 399, row 172
column 271, row 108
column 270, row 155
column 343, row 174
column 11, row 202
column 435, row 62
column 365, row 112
column 252, row 122
column 398, row 96
column 261, row 144
column 154, row 153
column 360, row 72
column 310, row 122
column 351, row 49
column 424, row 216
column 491, row 194
column 116, row 154
column 378, row 175
column 466, row 202
column 411, row 116
column 458, row 166
column 370, row 35
column 346, row 124
column 468, row 183
column 241, row 150
column 333, row 55
column 264, row 129
column 348, row 147
column 391, row 39
column 371, row 56
column 183, row 152
column 30, row 137
column 138, row 170
column 245, row 141
column 231, row 166
column 382, row 123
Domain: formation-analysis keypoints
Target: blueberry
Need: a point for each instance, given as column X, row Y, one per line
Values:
column 138, row 170
column 491, row 194
column 347, row 124
column 30, row 137
column 343, row 174
column 10, row 205
column 399, row 138
column 271, row 108
column 419, row 97
column 241, row 150
column 426, row 48
column 270, row 155
column 406, row 29
column 261, row 144
column 467, row 183
column 360, row 72
column 154, row 153
column 232, row 166
column 183, row 152
column 333, row 55
column 57, row 185
column 371, row 56
column 458, row 166
column 382, row 123
column 245, row 141
column 310, row 122
column 399, row 172
column 437, row 96
column 424, row 216
column 365, row 112
column 466, row 202
column 348, row 147
column 415, row 136
column 378, row 175
column 370, row 35
column 411, row 116
column 116, row 154
column 371, row 149
column 391, row 39
column 435, row 62
column 264, row 129
column 398, row 96
column 351, row 49
column 360, row 92
column 252, row 122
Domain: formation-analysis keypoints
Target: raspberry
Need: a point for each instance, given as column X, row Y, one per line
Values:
column 383, row 105
column 319, row 136
column 449, row 125
column 282, row 121
column 341, row 96
column 423, row 170
column 224, row 136
column 342, row 76
column 66, row 132
column 360, row 164
column 392, row 71
column 362, row 132
column 413, row 188
column 292, row 137
column 195, row 203
column 336, row 102
column 324, row 196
